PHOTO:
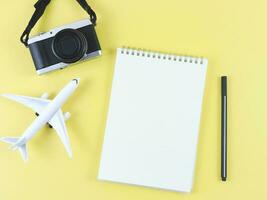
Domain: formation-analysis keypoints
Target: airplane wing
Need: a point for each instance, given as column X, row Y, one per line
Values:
column 58, row 123
column 36, row 104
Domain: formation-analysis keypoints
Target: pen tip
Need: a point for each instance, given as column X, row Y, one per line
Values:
column 223, row 178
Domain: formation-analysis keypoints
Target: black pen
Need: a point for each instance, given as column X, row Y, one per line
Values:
column 224, row 128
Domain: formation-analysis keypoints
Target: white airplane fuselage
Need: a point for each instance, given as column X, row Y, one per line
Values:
column 47, row 113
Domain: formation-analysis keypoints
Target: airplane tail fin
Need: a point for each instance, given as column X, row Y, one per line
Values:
column 22, row 148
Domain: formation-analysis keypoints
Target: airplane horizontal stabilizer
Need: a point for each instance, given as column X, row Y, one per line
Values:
column 22, row 148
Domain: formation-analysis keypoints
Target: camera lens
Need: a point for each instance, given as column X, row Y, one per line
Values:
column 69, row 45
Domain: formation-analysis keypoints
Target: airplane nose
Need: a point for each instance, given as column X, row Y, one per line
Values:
column 77, row 80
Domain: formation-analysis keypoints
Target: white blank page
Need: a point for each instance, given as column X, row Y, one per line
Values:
column 153, row 121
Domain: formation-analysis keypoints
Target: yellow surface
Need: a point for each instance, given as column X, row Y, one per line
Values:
column 232, row 34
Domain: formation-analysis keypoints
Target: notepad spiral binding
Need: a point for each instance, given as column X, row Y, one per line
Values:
column 158, row 55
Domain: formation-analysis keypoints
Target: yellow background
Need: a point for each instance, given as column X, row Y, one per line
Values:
column 232, row 34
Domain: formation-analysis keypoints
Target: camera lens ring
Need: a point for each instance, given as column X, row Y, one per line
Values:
column 69, row 45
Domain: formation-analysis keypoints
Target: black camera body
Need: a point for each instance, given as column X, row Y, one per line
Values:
column 65, row 45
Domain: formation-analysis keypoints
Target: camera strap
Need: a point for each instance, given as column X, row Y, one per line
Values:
column 40, row 7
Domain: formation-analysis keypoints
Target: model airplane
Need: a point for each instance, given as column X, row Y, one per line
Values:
column 48, row 112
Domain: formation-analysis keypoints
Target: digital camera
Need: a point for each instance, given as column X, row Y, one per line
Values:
column 65, row 45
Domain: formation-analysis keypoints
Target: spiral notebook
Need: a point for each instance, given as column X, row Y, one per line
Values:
column 153, row 120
